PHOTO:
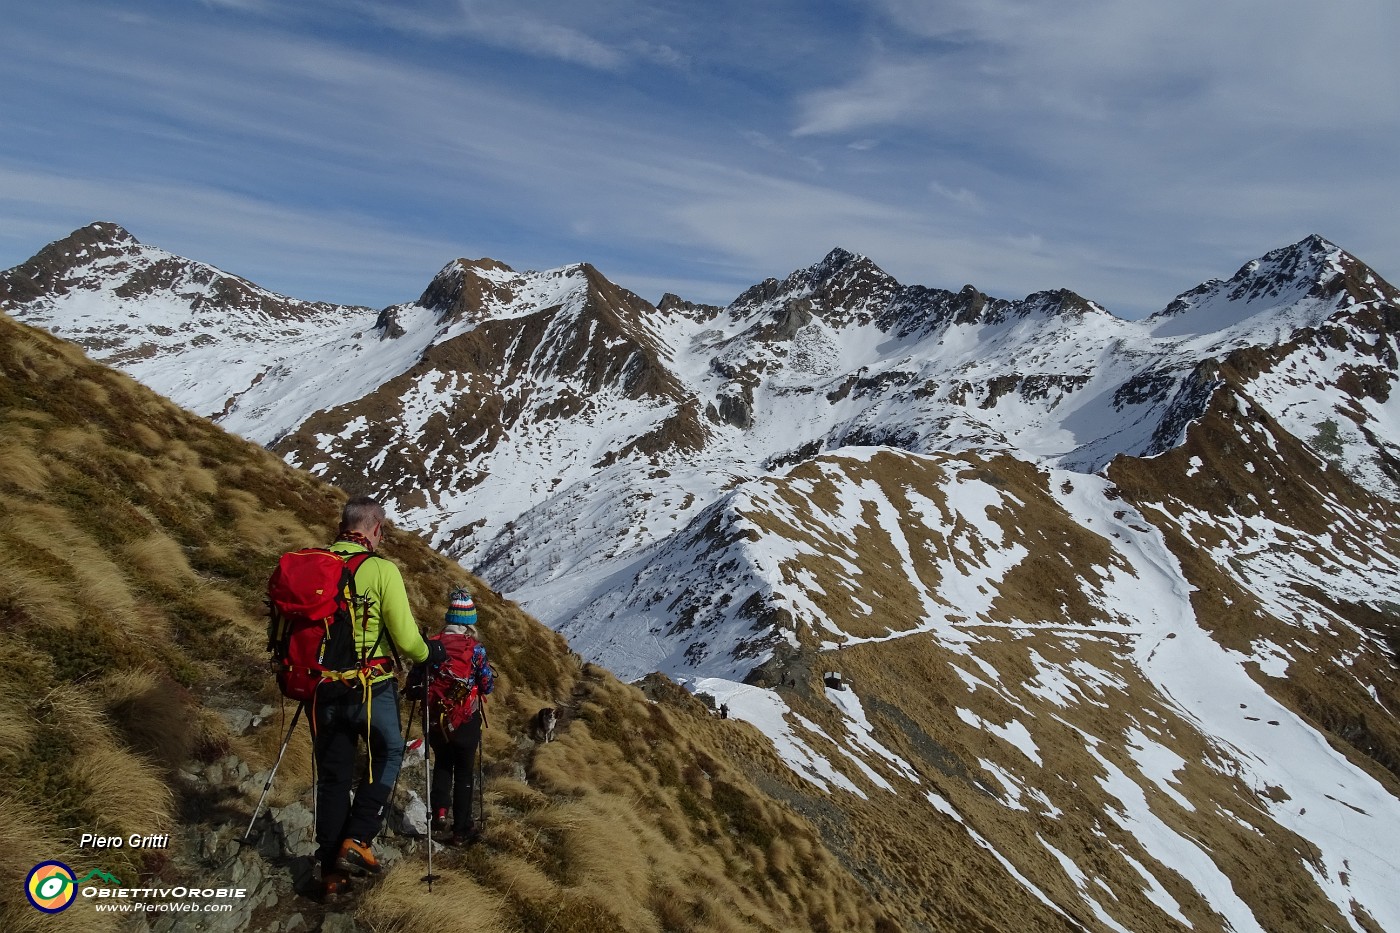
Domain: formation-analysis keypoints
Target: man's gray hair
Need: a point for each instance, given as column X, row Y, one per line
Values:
column 361, row 513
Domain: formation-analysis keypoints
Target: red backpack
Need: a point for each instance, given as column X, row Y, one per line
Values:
column 452, row 695
column 310, row 630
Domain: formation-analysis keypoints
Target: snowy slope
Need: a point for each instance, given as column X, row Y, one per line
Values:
column 547, row 427
column 1116, row 600
column 255, row 361
column 1117, row 686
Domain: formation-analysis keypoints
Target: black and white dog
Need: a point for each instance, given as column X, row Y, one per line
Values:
column 542, row 724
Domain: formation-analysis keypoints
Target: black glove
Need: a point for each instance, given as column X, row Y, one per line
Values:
column 437, row 654
column 413, row 687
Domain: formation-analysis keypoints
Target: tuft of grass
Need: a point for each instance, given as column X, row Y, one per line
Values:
column 401, row 904
column 15, row 737
column 27, row 600
column 21, row 467
column 147, row 438
column 160, row 561
column 127, row 791
column 151, row 714
column 746, row 818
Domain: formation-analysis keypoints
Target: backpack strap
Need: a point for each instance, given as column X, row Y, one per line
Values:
column 379, row 637
column 368, row 662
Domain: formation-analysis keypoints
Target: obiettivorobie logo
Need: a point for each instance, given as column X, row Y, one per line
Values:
column 52, row 886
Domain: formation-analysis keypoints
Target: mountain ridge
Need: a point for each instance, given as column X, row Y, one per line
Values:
column 1089, row 582
column 923, row 369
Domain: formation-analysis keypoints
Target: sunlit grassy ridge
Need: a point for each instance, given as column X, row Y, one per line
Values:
column 135, row 542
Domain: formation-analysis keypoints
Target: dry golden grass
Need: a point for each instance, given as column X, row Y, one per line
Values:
column 148, row 438
column 38, row 357
column 602, row 853
column 21, row 467
column 94, row 392
column 74, row 442
column 151, row 714
column 27, row 597
column 196, row 480
column 402, row 904
column 15, row 736
column 54, row 546
column 102, row 585
column 129, row 792
column 161, row 561
column 76, row 768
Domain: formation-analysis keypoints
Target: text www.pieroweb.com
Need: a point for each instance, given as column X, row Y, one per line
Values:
column 181, row 907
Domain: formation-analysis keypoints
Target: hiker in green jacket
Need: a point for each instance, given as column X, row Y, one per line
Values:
column 363, row 702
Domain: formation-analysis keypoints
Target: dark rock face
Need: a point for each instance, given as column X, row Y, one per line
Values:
column 49, row 271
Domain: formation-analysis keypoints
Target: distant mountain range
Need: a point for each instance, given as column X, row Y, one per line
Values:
column 1049, row 549
column 560, row 434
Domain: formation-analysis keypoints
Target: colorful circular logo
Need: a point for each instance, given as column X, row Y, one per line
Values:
column 50, row 887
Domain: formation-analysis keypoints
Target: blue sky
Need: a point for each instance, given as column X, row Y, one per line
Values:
column 345, row 151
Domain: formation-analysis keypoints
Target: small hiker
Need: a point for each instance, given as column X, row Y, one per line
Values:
column 363, row 703
column 457, row 712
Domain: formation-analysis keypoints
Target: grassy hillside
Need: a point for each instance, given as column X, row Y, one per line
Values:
column 135, row 542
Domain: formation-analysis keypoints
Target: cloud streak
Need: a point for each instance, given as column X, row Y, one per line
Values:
column 1124, row 151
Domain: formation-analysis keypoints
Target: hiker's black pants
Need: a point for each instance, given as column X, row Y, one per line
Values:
column 454, row 767
column 342, row 720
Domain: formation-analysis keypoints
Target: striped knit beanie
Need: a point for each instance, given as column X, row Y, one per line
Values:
column 460, row 608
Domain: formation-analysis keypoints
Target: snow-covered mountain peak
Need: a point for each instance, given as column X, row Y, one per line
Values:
column 1295, row 286
column 1060, row 303
column 102, row 234
column 696, row 312
column 468, row 291
column 841, row 287
column 110, row 280
column 82, row 246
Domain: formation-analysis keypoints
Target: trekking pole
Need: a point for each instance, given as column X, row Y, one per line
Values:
column 428, row 778
column 480, row 788
column 480, row 772
column 273, row 773
column 315, row 788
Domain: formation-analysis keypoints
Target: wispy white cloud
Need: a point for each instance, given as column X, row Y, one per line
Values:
column 1168, row 128
column 959, row 196
column 1146, row 148
column 512, row 26
column 561, row 32
column 1250, row 64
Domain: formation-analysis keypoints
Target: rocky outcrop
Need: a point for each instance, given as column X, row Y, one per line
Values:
column 273, row 858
